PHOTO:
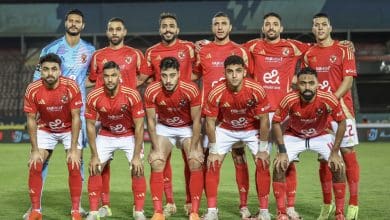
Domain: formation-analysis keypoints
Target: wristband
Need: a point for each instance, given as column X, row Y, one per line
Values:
column 212, row 148
column 263, row 146
column 282, row 148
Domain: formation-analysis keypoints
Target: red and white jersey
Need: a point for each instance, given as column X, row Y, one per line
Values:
column 183, row 51
column 274, row 66
column 237, row 110
column 53, row 105
column 308, row 119
column 209, row 63
column 115, row 113
column 128, row 59
column 332, row 64
column 174, row 108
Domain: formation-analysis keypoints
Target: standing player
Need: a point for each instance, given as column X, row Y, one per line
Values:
column 336, row 69
column 178, row 123
column 75, row 54
column 121, row 113
column 309, row 110
column 239, row 105
column 183, row 51
column 57, row 101
column 129, row 60
column 209, row 66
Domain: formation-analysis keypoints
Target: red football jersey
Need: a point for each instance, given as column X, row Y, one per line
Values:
column 209, row 63
column 53, row 105
column 183, row 51
column 274, row 66
column 308, row 119
column 174, row 108
column 237, row 111
column 128, row 59
column 115, row 113
column 332, row 64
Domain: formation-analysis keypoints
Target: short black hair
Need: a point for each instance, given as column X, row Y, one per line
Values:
column 117, row 19
column 74, row 11
column 111, row 65
column 221, row 14
column 321, row 15
column 169, row 62
column 232, row 60
column 272, row 14
column 165, row 15
column 50, row 57
column 307, row 70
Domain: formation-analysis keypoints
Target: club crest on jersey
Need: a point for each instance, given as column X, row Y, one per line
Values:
column 332, row 59
column 313, row 59
column 181, row 55
column 183, row 102
column 285, row 51
column 83, row 58
column 124, row 107
column 64, row 99
column 128, row 59
column 319, row 111
column 251, row 102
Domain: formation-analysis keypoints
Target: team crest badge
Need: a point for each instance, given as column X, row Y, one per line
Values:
column 181, row 55
column 332, row 59
column 285, row 51
column 251, row 102
column 124, row 107
column 313, row 59
column 83, row 58
column 64, row 99
column 128, row 59
column 319, row 111
column 183, row 103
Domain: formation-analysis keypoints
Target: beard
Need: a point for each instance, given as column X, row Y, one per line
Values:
column 307, row 95
column 222, row 38
column 116, row 41
column 271, row 38
column 72, row 33
column 168, row 41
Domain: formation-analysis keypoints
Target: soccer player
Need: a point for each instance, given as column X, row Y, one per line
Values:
column 309, row 109
column 75, row 54
column 240, row 108
column 121, row 113
column 183, row 51
column 178, row 105
column 209, row 67
column 336, row 68
column 129, row 60
column 52, row 105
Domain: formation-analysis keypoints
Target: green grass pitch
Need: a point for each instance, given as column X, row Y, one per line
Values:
column 14, row 200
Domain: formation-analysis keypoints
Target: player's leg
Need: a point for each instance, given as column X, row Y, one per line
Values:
column 170, row 206
column 187, row 175
column 157, row 159
column 195, row 165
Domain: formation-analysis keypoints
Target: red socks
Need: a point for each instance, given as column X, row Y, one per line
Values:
column 326, row 182
column 187, row 175
column 168, row 181
column 139, row 190
column 94, row 191
column 280, row 196
column 156, row 190
column 196, row 189
column 242, row 179
column 339, row 194
column 35, row 185
column 263, row 184
column 291, row 184
column 105, row 191
column 352, row 172
column 212, row 181
column 75, row 185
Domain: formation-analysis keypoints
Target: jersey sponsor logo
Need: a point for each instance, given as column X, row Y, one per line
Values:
column 309, row 132
column 285, row 51
column 350, row 71
column 271, row 77
column 56, row 124
column 175, row 121
column 322, row 69
column 308, row 120
column 324, row 86
column 239, row 123
column 115, row 117
column 54, row 108
column 217, row 64
column 64, row 99
column 41, row 102
column 79, row 103
column 273, row 59
column 128, row 59
column 83, row 58
column 238, row 111
column 119, row 128
column 333, row 58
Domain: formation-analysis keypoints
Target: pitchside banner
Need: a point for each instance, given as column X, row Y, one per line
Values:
column 374, row 132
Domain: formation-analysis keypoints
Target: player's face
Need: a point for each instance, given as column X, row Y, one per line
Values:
column 221, row 28
column 50, row 71
column 321, row 28
column 170, row 78
column 272, row 28
column 116, row 32
column 74, row 24
column 307, row 85
column 168, row 30
column 234, row 75
column 111, row 78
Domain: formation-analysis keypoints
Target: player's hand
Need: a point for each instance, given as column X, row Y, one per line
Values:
column 335, row 162
column 264, row 157
column 348, row 44
column 137, row 166
column 94, row 166
column 213, row 160
column 35, row 157
column 73, row 156
column 196, row 155
column 200, row 43
column 281, row 162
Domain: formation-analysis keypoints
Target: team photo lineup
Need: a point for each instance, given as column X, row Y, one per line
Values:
column 206, row 98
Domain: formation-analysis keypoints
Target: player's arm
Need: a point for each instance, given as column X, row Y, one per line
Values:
column 141, row 78
column 32, row 127
column 335, row 160
column 94, row 164
column 262, row 153
column 345, row 86
column 89, row 83
column 210, row 132
column 281, row 159
column 73, row 154
column 151, row 121
column 196, row 127
column 136, row 162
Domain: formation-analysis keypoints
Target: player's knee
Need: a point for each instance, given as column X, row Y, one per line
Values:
column 157, row 161
column 238, row 155
column 278, row 175
column 337, row 176
column 346, row 150
column 194, row 165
